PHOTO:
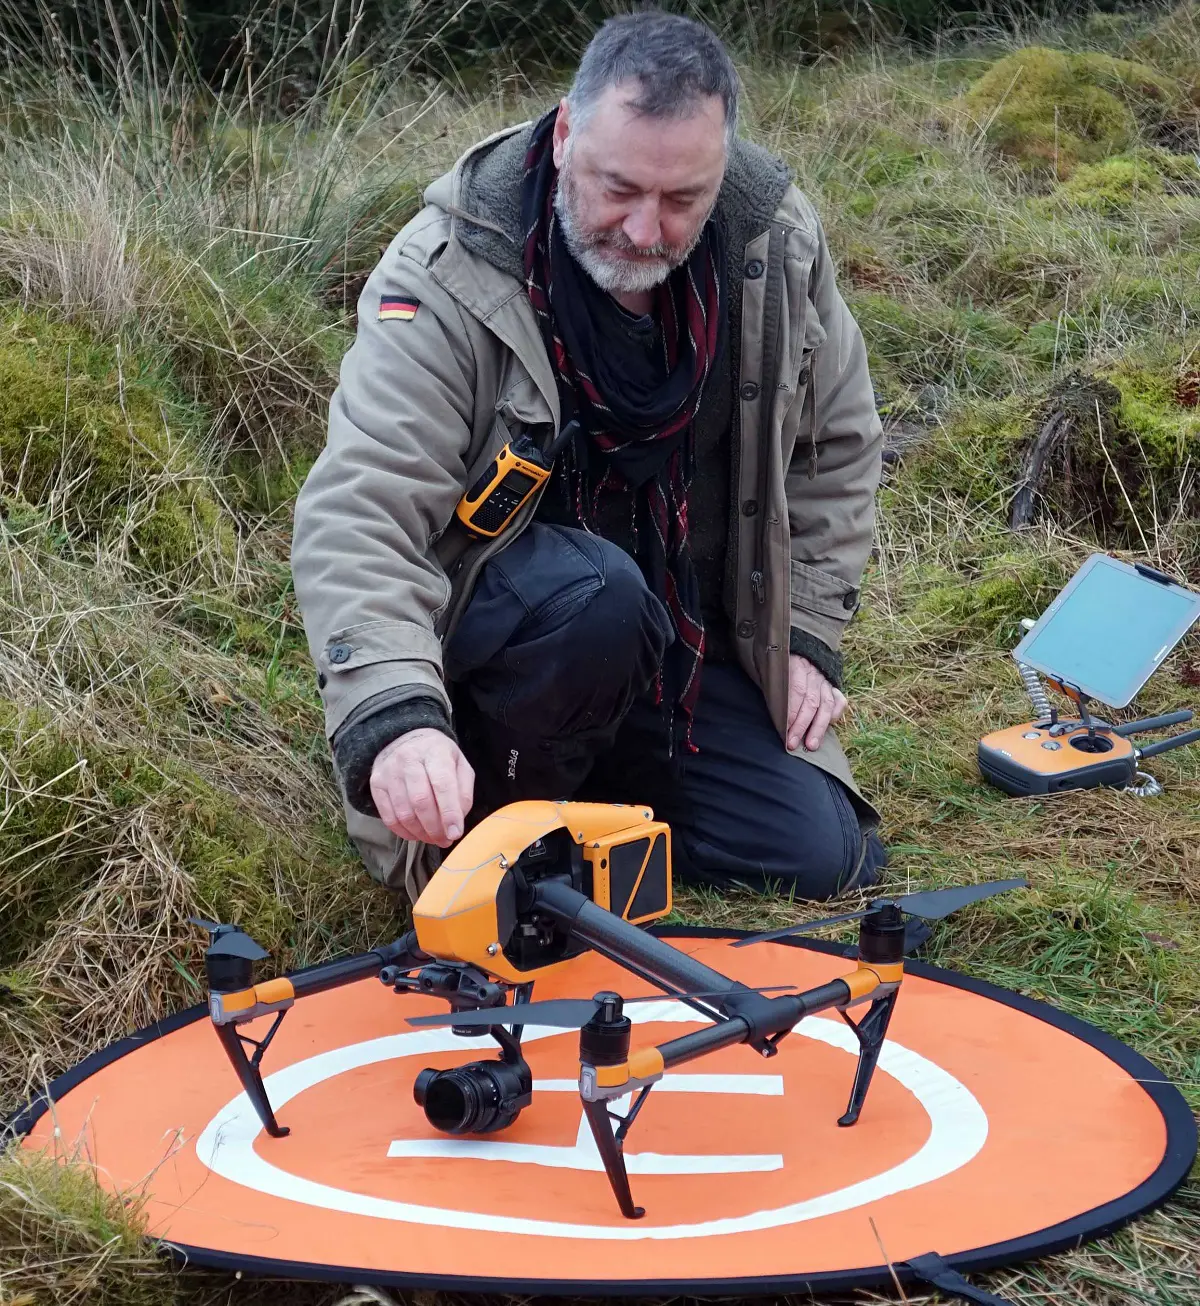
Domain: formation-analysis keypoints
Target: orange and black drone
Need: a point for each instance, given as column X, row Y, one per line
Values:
column 531, row 887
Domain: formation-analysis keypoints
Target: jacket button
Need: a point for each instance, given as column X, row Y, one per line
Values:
column 746, row 629
column 754, row 268
column 804, row 376
column 750, row 390
column 750, row 507
column 340, row 653
column 849, row 600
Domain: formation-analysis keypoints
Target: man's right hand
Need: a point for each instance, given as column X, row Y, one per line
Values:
column 423, row 787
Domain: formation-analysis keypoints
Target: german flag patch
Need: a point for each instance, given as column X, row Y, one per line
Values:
column 398, row 308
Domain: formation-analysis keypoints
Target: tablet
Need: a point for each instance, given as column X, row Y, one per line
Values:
column 1107, row 632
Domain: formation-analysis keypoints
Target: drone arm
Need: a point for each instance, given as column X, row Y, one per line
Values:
column 228, row 1010
column 244, row 1005
column 631, row 946
column 765, row 1018
column 403, row 954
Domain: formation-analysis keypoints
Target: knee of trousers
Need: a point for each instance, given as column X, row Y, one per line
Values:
column 623, row 631
column 828, row 853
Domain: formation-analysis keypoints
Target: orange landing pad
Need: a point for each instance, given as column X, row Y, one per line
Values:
column 997, row 1130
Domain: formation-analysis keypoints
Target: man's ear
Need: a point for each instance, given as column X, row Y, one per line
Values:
column 562, row 129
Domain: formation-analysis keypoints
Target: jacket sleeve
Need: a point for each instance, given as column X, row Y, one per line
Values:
column 382, row 491
column 833, row 475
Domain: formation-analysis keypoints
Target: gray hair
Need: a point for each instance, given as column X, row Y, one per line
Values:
column 675, row 60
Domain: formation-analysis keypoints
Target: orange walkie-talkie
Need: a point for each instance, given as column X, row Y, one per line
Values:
column 516, row 472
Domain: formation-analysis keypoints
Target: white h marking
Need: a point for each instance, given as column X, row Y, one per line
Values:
column 583, row 1155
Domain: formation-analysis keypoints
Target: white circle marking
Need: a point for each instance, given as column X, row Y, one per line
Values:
column 959, row 1129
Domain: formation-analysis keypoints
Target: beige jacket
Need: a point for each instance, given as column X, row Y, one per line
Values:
column 381, row 569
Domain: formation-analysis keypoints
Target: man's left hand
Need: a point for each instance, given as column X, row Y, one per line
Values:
column 813, row 704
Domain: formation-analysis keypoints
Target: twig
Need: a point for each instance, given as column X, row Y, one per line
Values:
column 888, row 1259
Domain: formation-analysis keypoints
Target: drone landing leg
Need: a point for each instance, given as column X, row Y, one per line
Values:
column 609, row 1145
column 248, row 1072
column 870, row 1032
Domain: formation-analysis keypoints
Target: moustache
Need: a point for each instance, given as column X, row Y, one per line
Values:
column 618, row 240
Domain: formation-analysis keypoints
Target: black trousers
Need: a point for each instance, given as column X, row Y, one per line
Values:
column 551, row 669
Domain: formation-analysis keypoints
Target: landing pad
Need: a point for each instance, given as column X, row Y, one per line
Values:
column 997, row 1130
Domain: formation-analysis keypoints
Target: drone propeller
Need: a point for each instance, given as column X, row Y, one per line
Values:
column 929, row 905
column 562, row 1013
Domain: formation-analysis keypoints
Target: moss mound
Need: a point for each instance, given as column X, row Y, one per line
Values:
column 1110, row 451
column 1050, row 110
column 1115, row 185
column 100, row 439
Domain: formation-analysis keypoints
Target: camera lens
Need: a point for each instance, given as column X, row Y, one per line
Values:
column 474, row 1099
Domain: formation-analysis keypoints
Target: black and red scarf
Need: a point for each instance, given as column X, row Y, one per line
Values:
column 634, row 436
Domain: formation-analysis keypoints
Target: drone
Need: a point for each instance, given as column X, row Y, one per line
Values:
column 529, row 888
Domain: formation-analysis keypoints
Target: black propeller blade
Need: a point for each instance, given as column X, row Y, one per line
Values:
column 929, row 905
column 936, row 904
column 788, row 930
column 562, row 1013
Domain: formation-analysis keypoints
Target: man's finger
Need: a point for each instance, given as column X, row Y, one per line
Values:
column 797, row 683
column 840, row 704
column 423, row 802
column 809, row 706
column 820, row 722
column 405, row 822
column 443, row 780
column 466, row 780
column 383, row 804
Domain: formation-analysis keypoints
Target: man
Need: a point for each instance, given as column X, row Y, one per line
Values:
column 650, row 301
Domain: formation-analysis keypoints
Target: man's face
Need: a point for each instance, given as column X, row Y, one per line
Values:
column 634, row 192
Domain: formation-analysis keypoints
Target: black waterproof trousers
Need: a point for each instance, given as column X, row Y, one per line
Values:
column 551, row 669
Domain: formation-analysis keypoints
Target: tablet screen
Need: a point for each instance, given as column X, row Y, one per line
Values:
column 1108, row 630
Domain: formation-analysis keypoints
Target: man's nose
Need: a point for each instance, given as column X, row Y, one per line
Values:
column 643, row 226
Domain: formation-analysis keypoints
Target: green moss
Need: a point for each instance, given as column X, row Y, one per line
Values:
column 100, row 434
column 888, row 158
column 1166, row 434
column 1112, row 184
column 969, row 458
column 265, row 484
column 1052, row 110
column 985, row 608
column 68, row 796
column 1117, row 184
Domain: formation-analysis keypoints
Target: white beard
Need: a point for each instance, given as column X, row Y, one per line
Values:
column 612, row 273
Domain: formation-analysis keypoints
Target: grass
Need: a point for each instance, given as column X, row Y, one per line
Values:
column 178, row 277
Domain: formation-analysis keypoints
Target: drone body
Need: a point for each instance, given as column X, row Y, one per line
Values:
column 528, row 889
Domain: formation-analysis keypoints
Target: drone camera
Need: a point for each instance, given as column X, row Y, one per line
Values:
column 477, row 1098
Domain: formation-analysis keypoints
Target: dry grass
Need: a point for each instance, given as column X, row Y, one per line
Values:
column 161, row 748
